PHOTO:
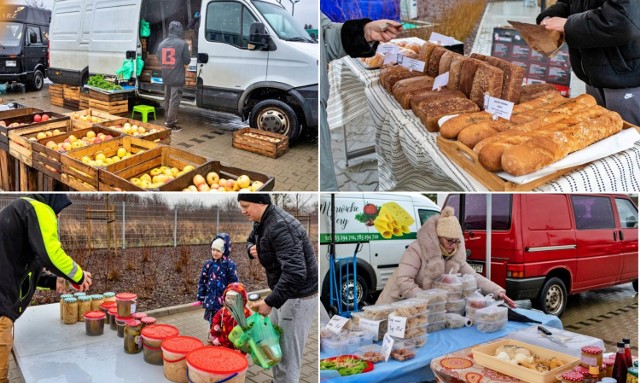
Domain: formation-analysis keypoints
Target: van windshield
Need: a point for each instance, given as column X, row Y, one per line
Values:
column 285, row 26
column 10, row 34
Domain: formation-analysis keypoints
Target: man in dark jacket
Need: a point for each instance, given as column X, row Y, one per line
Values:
column 173, row 54
column 28, row 243
column 284, row 249
column 604, row 46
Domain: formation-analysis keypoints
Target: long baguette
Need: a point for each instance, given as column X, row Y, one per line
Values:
column 471, row 135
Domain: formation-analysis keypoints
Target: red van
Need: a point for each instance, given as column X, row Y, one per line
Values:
column 546, row 246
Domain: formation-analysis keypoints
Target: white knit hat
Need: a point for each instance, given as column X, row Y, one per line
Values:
column 448, row 225
column 218, row 244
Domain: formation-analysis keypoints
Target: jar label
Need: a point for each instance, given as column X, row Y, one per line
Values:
column 138, row 340
column 589, row 360
column 133, row 308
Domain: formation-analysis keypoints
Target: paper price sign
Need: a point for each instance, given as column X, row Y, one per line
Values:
column 336, row 324
column 441, row 81
column 387, row 49
column 369, row 325
column 441, row 39
column 391, row 58
column 411, row 64
column 499, row 108
column 396, row 326
column 387, row 346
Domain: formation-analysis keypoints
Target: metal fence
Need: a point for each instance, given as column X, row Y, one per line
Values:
column 95, row 224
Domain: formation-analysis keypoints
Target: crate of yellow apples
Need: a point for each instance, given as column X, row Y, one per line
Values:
column 216, row 177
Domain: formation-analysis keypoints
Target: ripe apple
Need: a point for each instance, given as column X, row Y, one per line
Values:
column 48, row 134
column 145, row 177
column 243, row 181
column 188, row 168
column 203, row 187
column 56, row 132
column 66, row 146
column 101, row 157
column 192, row 188
column 51, row 145
column 256, row 185
column 155, row 171
column 72, row 138
column 223, row 183
column 37, row 118
column 212, row 178
column 45, row 117
column 91, row 134
column 198, row 180
column 122, row 152
column 231, row 185
column 41, row 135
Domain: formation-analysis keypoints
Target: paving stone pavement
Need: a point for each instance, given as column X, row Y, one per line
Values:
column 209, row 134
column 191, row 323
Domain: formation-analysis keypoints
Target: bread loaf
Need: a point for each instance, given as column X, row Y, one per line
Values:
column 374, row 61
column 532, row 91
column 452, row 127
column 431, row 111
column 487, row 80
column 434, row 61
column 445, row 61
column 408, row 53
column 425, row 53
column 542, row 150
column 455, row 69
column 388, row 71
column 404, row 89
column 395, row 77
column 469, row 67
column 431, row 95
column 471, row 135
column 512, row 76
column 415, row 47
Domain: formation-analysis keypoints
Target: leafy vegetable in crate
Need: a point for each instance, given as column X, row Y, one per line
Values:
column 214, row 183
column 99, row 81
column 72, row 142
column 133, row 130
column 159, row 176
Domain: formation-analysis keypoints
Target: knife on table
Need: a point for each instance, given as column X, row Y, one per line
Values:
column 549, row 335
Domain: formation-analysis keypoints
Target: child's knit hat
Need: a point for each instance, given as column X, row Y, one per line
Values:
column 218, row 244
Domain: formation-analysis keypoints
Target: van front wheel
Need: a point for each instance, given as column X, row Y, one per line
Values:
column 38, row 80
column 553, row 297
column 275, row 116
column 362, row 291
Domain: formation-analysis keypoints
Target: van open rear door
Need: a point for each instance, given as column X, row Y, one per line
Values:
column 115, row 29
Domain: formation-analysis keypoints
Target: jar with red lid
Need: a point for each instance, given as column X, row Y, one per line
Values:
column 571, row 377
column 121, row 323
column 152, row 337
column 105, row 309
column 126, row 304
column 591, row 356
column 94, row 323
column 139, row 316
column 608, row 363
column 148, row 321
column 132, row 331
column 174, row 354
column 113, row 313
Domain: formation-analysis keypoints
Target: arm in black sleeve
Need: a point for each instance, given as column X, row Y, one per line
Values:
column 251, row 242
column 353, row 41
column 47, row 281
column 559, row 9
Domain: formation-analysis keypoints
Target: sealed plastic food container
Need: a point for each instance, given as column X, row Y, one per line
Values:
column 152, row 337
column 371, row 353
column 132, row 330
column 412, row 343
column 94, row 323
column 409, row 307
column 174, row 354
column 216, row 364
column 432, row 296
column 84, row 306
column 377, row 312
column 491, row 326
column 467, row 293
column 113, row 313
column 126, row 304
column 96, row 301
column 121, row 323
column 109, row 296
column 402, row 354
column 333, row 346
column 435, row 317
column 456, row 307
column 492, row 313
column 454, row 296
column 62, row 298
column 469, row 282
column 148, row 321
column 70, row 311
column 105, row 309
column 415, row 332
column 417, row 320
column 449, row 282
column 435, row 326
column 437, row 307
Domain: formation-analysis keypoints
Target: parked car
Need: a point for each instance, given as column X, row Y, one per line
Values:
column 24, row 44
column 250, row 58
column 359, row 218
column 545, row 247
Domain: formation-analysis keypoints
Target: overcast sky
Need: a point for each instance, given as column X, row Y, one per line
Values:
column 306, row 11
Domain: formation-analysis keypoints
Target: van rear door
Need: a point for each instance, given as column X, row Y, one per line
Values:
column 627, row 214
column 598, row 249
column 114, row 30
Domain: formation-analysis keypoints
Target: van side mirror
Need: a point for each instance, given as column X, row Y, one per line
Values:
column 203, row 58
column 258, row 37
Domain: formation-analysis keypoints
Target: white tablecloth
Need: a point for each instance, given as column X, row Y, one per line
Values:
column 409, row 159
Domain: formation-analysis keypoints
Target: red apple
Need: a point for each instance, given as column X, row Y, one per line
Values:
column 45, row 117
column 37, row 118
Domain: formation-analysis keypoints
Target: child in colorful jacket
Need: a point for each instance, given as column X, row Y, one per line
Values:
column 217, row 273
column 223, row 321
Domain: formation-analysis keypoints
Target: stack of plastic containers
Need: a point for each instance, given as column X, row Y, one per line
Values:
column 346, row 342
column 452, row 283
column 414, row 314
column 477, row 301
column 436, row 301
column 469, row 285
column 372, row 316
column 491, row 318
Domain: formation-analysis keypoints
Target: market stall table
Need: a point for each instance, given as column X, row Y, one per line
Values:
column 409, row 159
column 438, row 343
column 46, row 350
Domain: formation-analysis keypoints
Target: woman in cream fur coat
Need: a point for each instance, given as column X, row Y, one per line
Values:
column 439, row 249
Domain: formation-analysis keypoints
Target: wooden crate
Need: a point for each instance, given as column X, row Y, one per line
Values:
column 116, row 177
column 49, row 161
column 21, row 140
column 111, row 107
column 18, row 112
column 26, row 119
column 484, row 355
column 77, row 172
column 94, row 117
column 257, row 141
column 56, row 94
column 106, row 97
column 223, row 171
column 467, row 159
column 71, row 93
column 161, row 135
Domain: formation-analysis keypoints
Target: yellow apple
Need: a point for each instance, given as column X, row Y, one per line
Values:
column 175, row 171
column 155, row 171
column 100, row 157
column 243, row 181
column 198, row 180
column 203, row 187
column 256, row 185
column 192, row 188
column 91, row 134
column 122, row 152
column 41, row 135
column 188, row 168
column 72, row 138
column 86, row 160
column 212, row 178
column 56, row 132
column 145, row 177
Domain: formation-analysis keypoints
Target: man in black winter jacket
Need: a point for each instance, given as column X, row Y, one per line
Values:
column 604, row 47
column 284, row 249
column 173, row 53
column 28, row 243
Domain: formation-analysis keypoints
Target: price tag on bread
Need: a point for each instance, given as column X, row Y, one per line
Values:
column 388, row 49
column 387, row 346
column 411, row 64
column 391, row 58
column 396, row 326
column 440, row 81
column 498, row 107
column 336, row 324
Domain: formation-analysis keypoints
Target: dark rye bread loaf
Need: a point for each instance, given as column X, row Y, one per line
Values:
column 425, row 54
column 455, row 69
column 469, row 67
column 404, row 89
column 395, row 77
column 434, row 61
column 445, row 61
column 512, row 76
column 388, row 71
column 487, row 80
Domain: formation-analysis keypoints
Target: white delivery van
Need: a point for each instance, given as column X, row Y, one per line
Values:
column 249, row 57
column 386, row 224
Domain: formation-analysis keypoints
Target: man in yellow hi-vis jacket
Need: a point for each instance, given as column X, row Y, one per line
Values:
column 28, row 243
